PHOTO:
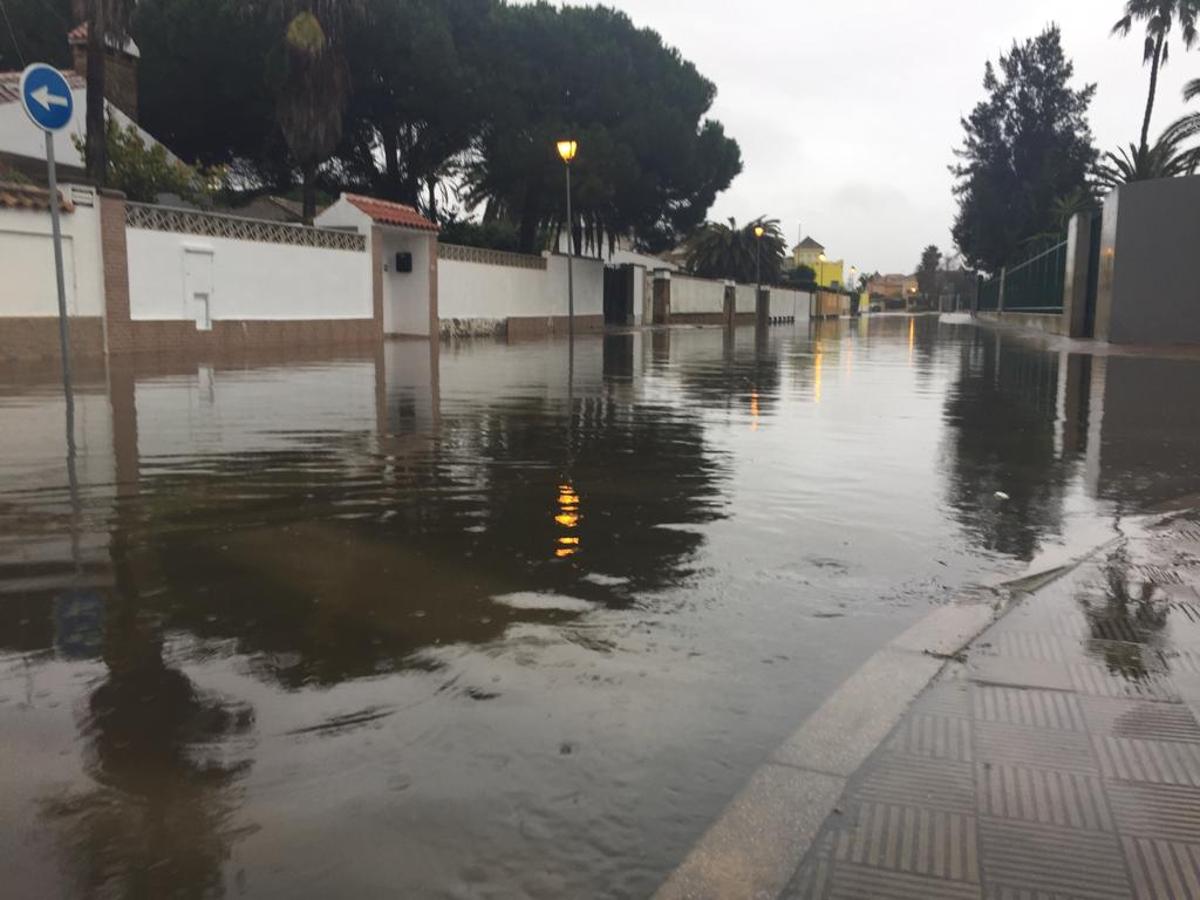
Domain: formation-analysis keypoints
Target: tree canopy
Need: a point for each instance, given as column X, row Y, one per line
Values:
column 927, row 271
column 1027, row 145
column 720, row 250
column 1160, row 17
column 446, row 104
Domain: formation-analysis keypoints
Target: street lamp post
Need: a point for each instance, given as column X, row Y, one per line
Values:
column 566, row 151
column 760, row 316
column 758, row 233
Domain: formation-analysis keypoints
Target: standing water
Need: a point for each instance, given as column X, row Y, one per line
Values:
column 479, row 624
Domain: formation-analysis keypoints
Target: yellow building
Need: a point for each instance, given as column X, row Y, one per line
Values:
column 827, row 272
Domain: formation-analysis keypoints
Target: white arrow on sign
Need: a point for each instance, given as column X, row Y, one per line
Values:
column 43, row 96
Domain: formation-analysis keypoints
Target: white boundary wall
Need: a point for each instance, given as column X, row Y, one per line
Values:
column 786, row 303
column 250, row 280
column 696, row 295
column 476, row 290
column 744, row 304
column 27, row 259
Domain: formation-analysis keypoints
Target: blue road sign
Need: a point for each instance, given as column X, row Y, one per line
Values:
column 46, row 97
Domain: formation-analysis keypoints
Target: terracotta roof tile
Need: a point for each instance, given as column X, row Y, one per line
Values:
column 386, row 212
column 10, row 84
column 78, row 34
column 27, row 196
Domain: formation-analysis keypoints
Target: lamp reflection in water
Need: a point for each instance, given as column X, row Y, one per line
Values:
column 567, row 518
column 818, row 362
column 754, row 411
column 912, row 338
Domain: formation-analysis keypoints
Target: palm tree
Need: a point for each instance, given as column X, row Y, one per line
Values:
column 1190, row 92
column 312, row 95
column 717, row 250
column 107, row 22
column 1166, row 159
column 1160, row 17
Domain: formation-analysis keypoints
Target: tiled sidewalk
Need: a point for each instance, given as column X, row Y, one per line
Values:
column 1060, row 760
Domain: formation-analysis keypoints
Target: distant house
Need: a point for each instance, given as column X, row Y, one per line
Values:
column 23, row 147
column 894, row 289
column 827, row 272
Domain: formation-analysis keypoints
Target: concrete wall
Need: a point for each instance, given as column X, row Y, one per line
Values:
column 1047, row 323
column 29, row 291
column 250, row 280
column 744, row 304
column 789, row 304
column 481, row 290
column 696, row 296
column 27, row 259
column 1148, row 287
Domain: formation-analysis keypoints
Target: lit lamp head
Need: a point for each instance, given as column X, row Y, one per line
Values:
column 821, row 257
column 759, row 231
column 566, row 150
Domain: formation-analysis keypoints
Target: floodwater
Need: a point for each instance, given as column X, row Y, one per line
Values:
column 484, row 624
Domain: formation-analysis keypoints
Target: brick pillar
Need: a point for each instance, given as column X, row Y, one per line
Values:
column 118, row 328
column 662, row 297
column 375, row 248
column 434, row 320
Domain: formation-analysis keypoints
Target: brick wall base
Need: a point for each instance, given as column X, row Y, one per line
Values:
column 36, row 337
column 714, row 318
column 522, row 328
column 171, row 336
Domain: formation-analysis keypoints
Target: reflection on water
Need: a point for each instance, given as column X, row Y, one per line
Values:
column 457, row 624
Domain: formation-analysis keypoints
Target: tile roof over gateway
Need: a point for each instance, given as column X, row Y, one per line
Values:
column 27, row 196
column 385, row 212
column 10, row 84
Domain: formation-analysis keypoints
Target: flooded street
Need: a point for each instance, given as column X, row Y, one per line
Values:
column 493, row 622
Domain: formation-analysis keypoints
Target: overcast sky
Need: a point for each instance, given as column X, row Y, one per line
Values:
column 847, row 111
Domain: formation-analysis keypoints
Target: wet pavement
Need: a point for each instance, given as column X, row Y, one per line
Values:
column 1060, row 757
column 478, row 623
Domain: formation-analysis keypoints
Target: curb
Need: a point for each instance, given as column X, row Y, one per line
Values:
column 756, row 845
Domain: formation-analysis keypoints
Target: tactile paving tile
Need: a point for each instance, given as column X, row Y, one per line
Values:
column 910, row 839
column 1045, row 796
column 1163, row 870
column 1021, row 706
column 1156, row 810
column 1024, row 856
column 908, row 780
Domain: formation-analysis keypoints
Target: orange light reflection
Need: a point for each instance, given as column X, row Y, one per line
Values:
column 567, row 516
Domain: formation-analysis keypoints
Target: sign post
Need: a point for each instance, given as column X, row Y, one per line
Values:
column 48, row 102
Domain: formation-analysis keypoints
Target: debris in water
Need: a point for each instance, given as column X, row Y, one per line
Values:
column 1000, row 495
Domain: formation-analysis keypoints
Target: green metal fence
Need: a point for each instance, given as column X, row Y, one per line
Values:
column 989, row 294
column 1035, row 285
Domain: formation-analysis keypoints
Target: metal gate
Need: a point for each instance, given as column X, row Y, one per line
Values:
column 618, row 295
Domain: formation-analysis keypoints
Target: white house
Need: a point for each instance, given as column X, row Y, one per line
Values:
column 23, row 146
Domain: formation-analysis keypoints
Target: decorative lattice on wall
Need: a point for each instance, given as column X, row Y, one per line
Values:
column 187, row 221
column 459, row 253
